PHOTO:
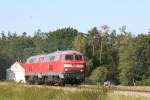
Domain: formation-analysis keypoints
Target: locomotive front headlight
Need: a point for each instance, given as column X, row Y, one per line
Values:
column 81, row 70
column 66, row 69
column 79, row 65
column 67, row 65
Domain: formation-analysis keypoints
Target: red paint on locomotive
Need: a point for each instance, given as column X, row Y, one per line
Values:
column 55, row 64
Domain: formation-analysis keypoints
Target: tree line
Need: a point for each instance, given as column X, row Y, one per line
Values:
column 119, row 57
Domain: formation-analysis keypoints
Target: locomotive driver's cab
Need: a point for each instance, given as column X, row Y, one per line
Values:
column 73, row 57
column 74, row 67
column 73, row 62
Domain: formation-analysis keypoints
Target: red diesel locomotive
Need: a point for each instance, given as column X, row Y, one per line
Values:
column 62, row 67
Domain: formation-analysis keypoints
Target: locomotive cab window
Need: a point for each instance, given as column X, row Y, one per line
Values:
column 69, row 57
column 78, row 57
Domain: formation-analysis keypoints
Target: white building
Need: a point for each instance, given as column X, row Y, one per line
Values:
column 16, row 73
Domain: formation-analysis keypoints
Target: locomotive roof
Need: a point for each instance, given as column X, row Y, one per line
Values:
column 70, row 52
column 56, row 53
column 64, row 52
column 37, row 56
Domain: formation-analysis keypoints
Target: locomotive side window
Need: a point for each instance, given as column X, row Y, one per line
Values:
column 69, row 57
column 30, row 61
column 78, row 57
column 33, row 60
column 36, row 60
column 52, row 58
column 41, row 59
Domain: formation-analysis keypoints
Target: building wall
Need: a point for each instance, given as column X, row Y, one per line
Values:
column 16, row 73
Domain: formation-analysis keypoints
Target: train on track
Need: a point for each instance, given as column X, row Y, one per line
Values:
column 59, row 67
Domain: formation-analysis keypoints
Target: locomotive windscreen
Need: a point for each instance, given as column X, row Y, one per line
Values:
column 73, row 57
column 78, row 57
column 69, row 57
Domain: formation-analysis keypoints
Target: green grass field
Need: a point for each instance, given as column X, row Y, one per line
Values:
column 19, row 92
column 25, row 92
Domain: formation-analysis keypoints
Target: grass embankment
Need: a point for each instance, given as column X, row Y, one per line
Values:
column 25, row 92
column 112, row 96
column 19, row 92
column 132, row 88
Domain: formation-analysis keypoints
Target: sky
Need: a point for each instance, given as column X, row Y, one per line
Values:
column 30, row 15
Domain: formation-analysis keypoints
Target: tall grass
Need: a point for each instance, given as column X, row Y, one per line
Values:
column 111, row 96
column 18, row 92
column 25, row 92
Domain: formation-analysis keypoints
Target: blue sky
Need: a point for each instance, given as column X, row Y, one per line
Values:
column 29, row 15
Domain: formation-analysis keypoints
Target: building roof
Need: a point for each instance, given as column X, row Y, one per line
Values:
column 17, row 66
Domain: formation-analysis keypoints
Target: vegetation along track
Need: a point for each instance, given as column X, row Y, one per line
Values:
column 121, row 90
